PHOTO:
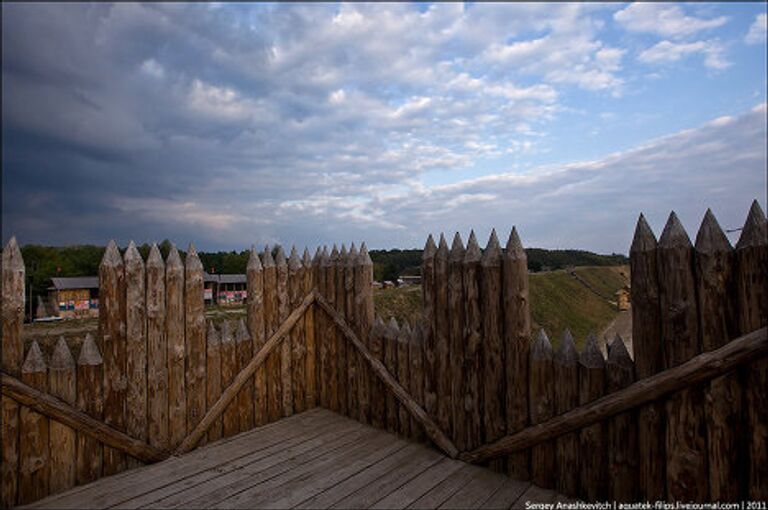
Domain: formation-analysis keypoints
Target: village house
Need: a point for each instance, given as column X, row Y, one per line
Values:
column 74, row 297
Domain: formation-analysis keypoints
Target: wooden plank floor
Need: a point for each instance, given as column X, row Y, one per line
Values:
column 316, row 459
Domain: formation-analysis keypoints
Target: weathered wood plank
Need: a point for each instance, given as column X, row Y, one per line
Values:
column 686, row 453
column 194, row 331
column 622, row 446
column 13, row 274
column 214, row 372
column 509, row 492
column 473, row 346
column 256, row 326
column 135, row 347
column 62, row 384
column 174, row 330
column 473, row 493
column 434, row 433
column 113, row 345
column 420, row 485
column 743, row 350
column 447, row 488
column 242, row 377
column 456, row 344
column 541, row 390
column 89, row 401
column 566, row 361
column 517, row 334
column 244, row 347
column 717, row 321
column 648, row 355
column 751, row 296
column 157, row 352
column 34, row 449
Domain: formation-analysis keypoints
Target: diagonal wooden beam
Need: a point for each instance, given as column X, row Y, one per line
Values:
column 58, row 410
column 433, row 431
column 745, row 349
column 231, row 392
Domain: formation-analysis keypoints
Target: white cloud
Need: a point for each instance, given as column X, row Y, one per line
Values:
column 664, row 20
column 757, row 31
column 668, row 51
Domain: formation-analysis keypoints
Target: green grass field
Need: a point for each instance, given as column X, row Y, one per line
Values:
column 557, row 301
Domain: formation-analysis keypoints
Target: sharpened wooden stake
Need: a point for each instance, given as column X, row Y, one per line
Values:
column 283, row 310
column 310, row 370
column 231, row 416
column 256, row 325
column 364, row 322
column 174, row 331
column 456, row 345
column 62, row 384
column 89, row 401
column 428, row 284
column 416, row 357
column 339, row 264
column 473, row 346
column 353, row 360
column 34, row 449
column 298, row 340
column 542, row 400
column 136, row 346
column 194, row 330
column 592, row 439
column 390, row 361
column 214, row 374
column 442, row 339
column 157, row 351
column 623, row 452
column 378, row 390
column 244, row 346
column 272, row 321
column 567, row 464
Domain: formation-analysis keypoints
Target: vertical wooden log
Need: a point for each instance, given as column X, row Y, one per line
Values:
column 272, row 322
column 594, row 456
column 623, row 453
column 416, row 358
column 541, row 384
column 428, row 300
column 751, row 296
column 442, row 339
column 231, row 415
column 194, row 328
column 283, row 310
column 157, row 351
column 13, row 274
column 320, row 264
column 517, row 334
column 353, row 358
column 714, row 279
column 566, row 362
column 494, row 391
column 686, row 451
column 112, row 333
column 390, row 361
column 473, row 346
column 34, row 451
column 298, row 342
column 213, row 370
column 310, row 371
column 456, row 331
column 403, row 377
column 648, row 350
column 378, row 392
column 256, row 325
column 174, row 332
column 136, row 347
column 332, row 369
column 244, row 346
column 62, row 383
column 364, row 322
column 90, row 401
column 341, row 343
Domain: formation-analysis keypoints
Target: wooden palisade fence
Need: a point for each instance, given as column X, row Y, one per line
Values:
column 683, row 418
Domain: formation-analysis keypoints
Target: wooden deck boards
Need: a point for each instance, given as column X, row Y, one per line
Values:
column 316, row 459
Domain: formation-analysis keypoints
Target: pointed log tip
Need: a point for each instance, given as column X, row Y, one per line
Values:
column 306, row 258
column 242, row 334
column 364, row 258
column 492, row 252
column 674, row 234
column 111, row 256
column 294, row 262
column 711, row 238
column 352, row 255
column 457, row 248
column 212, row 335
column 280, row 259
column 591, row 356
column 515, row 248
column 542, row 347
column 343, row 251
column 442, row 247
column 618, row 353
column 132, row 256
column 89, row 352
column 155, row 259
column 430, row 248
column 755, row 231
column 254, row 263
column 225, row 332
column 174, row 259
column 566, row 352
column 34, row 362
column 473, row 253
column 61, row 359
column 12, row 258
column 392, row 326
column 644, row 239
column 266, row 258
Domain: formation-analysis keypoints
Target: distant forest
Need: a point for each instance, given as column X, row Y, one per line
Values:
column 45, row 262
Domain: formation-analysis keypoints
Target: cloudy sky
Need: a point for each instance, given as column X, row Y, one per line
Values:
column 232, row 124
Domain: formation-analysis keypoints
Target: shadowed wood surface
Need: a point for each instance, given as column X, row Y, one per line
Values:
column 315, row 459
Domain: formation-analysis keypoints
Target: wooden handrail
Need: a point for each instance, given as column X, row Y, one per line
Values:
column 59, row 410
column 433, row 431
column 232, row 390
column 703, row 367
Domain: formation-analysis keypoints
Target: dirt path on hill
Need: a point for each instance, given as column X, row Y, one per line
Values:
column 622, row 325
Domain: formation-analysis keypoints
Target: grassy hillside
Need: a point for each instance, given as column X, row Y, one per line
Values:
column 558, row 300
